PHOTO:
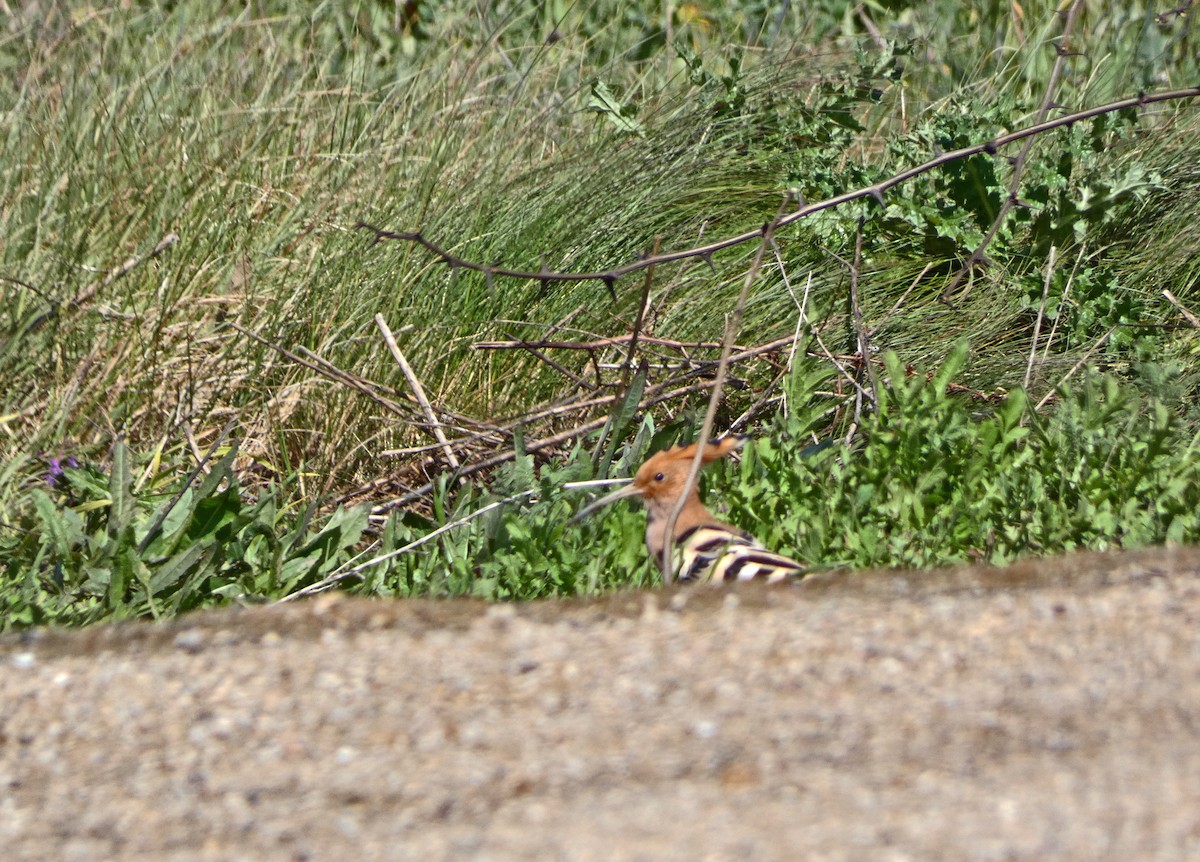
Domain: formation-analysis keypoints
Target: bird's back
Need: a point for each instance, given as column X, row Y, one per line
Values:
column 720, row 553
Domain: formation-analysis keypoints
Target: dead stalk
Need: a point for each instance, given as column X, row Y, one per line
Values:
column 418, row 390
column 1191, row 318
column 1037, row 325
column 1075, row 368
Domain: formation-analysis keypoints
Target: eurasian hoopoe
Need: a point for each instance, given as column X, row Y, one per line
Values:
column 705, row 549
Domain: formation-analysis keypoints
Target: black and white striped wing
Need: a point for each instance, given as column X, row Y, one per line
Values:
column 716, row 554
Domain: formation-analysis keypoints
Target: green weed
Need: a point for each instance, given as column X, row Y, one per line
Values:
column 87, row 546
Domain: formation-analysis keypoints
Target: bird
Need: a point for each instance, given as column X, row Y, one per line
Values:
column 705, row 547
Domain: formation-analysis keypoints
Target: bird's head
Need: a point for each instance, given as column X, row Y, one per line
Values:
column 660, row 481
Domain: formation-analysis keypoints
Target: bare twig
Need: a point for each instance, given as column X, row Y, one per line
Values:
column 1037, row 326
column 733, row 323
column 766, row 398
column 35, row 290
column 1178, row 12
column 561, row 369
column 802, row 305
column 473, row 428
column 129, row 265
column 1075, row 368
column 339, row 576
column 870, row 27
column 654, row 395
column 641, row 317
column 329, row 371
column 1062, row 302
column 418, row 390
column 1191, row 318
column 598, row 344
column 91, row 290
column 903, row 297
column 356, row 571
column 860, row 330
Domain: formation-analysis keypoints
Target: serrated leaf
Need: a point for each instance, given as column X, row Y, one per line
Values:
column 604, row 101
column 177, row 568
column 120, row 492
column 63, row 526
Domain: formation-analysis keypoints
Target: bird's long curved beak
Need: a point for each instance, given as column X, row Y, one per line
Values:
column 619, row 494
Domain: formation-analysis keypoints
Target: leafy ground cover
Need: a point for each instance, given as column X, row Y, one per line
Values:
column 200, row 404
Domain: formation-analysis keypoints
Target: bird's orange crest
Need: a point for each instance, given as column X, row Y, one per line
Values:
column 664, row 475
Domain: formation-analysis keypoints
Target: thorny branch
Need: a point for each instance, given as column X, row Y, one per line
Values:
column 705, row 252
column 1177, row 12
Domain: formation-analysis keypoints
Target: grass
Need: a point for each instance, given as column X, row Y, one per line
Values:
column 574, row 135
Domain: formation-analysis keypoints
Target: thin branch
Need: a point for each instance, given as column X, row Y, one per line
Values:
column 35, row 290
column 1062, row 301
column 801, row 318
column 117, row 272
column 599, row 344
column 1075, row 368
column 654, row 395
column 328, row 371
column 860, row 330
column 128, row 266
column 903, row 297
column 1177, row 12
column 766, row 398
column 560, row 368
column 356, row 571
column 337, row 577
column 627, row 370
column 802, row 305
column 870, row 27
column 733, row 323
column 705, row 252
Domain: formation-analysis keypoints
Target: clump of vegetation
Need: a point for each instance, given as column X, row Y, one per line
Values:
column 180, row 253
column 933, row 478
column 90, row 546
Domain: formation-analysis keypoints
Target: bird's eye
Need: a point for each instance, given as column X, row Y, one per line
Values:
column 658, row 477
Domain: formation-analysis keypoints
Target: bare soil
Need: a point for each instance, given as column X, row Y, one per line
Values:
column 1050, row 710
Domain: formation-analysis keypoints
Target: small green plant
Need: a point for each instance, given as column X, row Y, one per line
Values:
column 87, row 547
column 939, row 479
